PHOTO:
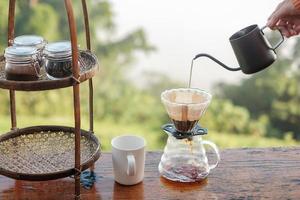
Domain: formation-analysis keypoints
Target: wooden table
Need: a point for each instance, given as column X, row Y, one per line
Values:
column 272, row 173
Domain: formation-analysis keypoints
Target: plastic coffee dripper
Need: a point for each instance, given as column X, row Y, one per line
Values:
column 184, row 157
column 185, row 107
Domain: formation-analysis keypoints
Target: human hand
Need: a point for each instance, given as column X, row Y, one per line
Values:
column 286, row 18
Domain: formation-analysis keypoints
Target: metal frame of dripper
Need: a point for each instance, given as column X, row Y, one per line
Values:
column 197, row 130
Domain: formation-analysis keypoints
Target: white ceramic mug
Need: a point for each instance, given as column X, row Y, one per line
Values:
column 128, row 156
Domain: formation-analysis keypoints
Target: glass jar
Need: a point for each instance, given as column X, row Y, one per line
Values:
column 58, row 59
column 35, row 41
column 21, row 63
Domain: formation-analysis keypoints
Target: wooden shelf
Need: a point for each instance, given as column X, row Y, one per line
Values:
column 88, row 68
column 84, row 67
column 42, row 153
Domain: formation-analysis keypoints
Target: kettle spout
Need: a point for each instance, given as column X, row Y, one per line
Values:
column 216, row 60
column 213, row 59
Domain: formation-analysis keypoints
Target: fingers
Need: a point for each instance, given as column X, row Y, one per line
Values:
column 275, row 16
column 297, row 29
column 289, row 26
column 284, row 9
column 288, row 31
column 272, row 22
column 285, row 18
column 275, row 11
column 291, row 30
column 284, row 31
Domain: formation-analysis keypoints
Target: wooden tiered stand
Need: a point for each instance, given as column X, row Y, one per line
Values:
column 42, row 153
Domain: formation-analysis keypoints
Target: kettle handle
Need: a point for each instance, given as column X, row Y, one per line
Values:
column 279, row 43
column 216, row 151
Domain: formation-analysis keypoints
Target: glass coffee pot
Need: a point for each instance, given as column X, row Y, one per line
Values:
column 184, row 158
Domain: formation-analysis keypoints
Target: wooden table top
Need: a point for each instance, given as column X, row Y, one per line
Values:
column 272, row 173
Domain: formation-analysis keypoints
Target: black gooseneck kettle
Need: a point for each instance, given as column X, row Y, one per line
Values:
column 251, row 48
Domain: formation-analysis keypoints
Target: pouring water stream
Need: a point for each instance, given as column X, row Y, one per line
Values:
column 213, row 59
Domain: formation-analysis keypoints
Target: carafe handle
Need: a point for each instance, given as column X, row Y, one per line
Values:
column 216, row 151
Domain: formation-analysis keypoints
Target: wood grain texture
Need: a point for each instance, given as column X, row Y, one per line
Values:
column 11, row 22
column 88, row 46
column 76, row 77
column 86, row 24
column 76, row 93
column 12, row 105
column 272, row 173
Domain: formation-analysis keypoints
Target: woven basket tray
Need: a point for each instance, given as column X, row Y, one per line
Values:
column 45, row 152
column 88, row 68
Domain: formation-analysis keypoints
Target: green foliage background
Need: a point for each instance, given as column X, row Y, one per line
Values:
column 262, row 110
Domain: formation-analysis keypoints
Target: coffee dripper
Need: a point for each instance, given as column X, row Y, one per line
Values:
column 184, row 158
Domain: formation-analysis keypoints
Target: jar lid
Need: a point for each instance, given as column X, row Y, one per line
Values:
column 20, row 53
column 28, row 40
column 58, row 49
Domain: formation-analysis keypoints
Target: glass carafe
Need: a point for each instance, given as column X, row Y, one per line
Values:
column 185, row 160
column 184, row 157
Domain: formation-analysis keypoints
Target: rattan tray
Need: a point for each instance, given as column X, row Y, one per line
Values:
column 88, row 68
column 45, row 152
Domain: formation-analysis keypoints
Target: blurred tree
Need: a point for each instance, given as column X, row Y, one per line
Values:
column 3, row 25
column 265, row 104
column 48, row 18
column 37, row 18
column 223, row 116
column 274, row 92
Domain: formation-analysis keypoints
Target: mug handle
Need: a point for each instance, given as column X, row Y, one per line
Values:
column 131, row 166
column 279, row 43
column 216, row 151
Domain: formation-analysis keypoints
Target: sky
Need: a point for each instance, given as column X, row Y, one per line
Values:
column 181, row 29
